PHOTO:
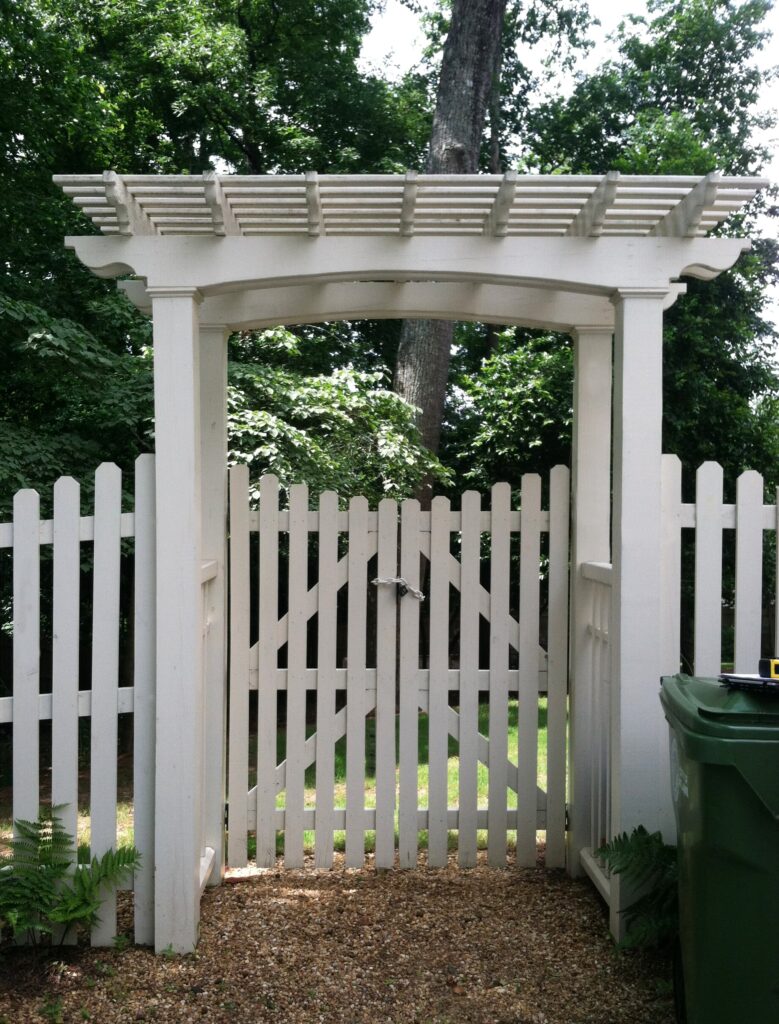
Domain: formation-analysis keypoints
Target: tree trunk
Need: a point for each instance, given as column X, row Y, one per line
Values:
column 470, row 63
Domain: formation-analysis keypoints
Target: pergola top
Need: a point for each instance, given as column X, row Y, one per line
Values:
column 410, row 204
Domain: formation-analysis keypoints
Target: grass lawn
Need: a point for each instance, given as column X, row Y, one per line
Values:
column 125, row 806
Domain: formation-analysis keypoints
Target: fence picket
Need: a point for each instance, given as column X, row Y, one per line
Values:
column 708, row 570
column 144, row 705
column 529, row 609
column 386, row 635
column 327, row 607
column 105, row 679
column 26, row 655
column 296, row 676
column 238, row 749
column 557, row 672
column 65, row 652
column 749, row 571
column 355, row 683
column 409, row 696
column 438, row 737
column 470, row 555
column 267, row 710
column 500, row 562
column 671, row 563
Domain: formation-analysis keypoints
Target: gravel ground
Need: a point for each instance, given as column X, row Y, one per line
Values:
column 302, row 947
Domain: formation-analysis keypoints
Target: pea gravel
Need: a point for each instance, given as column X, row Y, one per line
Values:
column 430, row 946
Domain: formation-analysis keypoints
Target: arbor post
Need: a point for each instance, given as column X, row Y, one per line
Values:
column 213, row 446
column 590, row 542
column 179, row 741
column 640, row 788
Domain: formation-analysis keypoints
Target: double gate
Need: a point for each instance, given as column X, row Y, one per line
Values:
column 391, row 674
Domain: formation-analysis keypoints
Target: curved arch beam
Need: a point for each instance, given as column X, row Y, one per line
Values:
column 588, row 265
column 305, row 304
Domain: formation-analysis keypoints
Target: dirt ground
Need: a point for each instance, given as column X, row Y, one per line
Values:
column 359, row 947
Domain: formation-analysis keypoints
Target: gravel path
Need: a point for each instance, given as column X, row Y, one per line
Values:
column 358, row 947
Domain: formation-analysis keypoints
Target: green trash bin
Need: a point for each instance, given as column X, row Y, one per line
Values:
column 725, row 782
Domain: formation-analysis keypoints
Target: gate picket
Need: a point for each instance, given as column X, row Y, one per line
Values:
column 557, row 672
column 297, row 620
column 529, row 559
column 355, row 683
column 438, row 736
column 500, row 561
column 267, row 711
column 327, row 605
column 386, row 635
column 238, row 750
column 409, row 694
column 470, row 554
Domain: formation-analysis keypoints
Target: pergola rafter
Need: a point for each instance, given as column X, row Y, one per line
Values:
column 491, row 204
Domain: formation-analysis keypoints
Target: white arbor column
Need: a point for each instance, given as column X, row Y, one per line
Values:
column 640, row 789
column 590, row 542
column 213, row 447
column 179, row 757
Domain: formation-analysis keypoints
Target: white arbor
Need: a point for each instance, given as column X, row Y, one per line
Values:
column 598, row 257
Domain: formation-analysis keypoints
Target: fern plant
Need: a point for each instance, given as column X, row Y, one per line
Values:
column 650, row 867
column 41, row 888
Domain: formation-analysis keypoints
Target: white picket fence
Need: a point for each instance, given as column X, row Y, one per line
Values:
column 72, row 538
column 439, row 552
column 711, row 519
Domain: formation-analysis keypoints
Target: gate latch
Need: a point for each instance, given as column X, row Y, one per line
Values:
column 404, row 587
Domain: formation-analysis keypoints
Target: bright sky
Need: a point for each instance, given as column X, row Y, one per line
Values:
column 396, row 42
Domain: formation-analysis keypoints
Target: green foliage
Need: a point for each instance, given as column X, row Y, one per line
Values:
column 650, row 867
column 41, row 892
column 343, row 431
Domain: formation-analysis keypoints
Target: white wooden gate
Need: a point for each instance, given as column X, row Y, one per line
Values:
column 315, row 616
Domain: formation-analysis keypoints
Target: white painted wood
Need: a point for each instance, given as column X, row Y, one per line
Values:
column 213, row 442
column 470, row 542
column 179, row 734
column 707, row 657
column 529, row 610
column 296, row 676
column 355, row 683
column 105, row 681
column 397, row 205
column 26, row 656
column 557, row 685
column 590, row 542
column 640, row 791
column 671, row 564
column 749, row 571
column 65, row 652
column 386, row 638
column 238, row 750
column 500, row 561
column 268, row 662
column 144, row 697
column 409, row 702
column 438, row 735
column 327, row 608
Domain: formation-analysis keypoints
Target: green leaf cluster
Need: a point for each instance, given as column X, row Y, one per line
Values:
column 43, row 892
column 650, row 867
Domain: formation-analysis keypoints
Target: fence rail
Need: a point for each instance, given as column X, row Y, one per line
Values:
column 74, row 539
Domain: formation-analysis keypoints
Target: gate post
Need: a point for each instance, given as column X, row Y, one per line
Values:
column 640, row 786
column 590, row 542
column 213, row 447
column 179, row 740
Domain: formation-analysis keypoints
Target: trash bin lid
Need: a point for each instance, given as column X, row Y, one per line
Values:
column 722, row 726
column 708, row 708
